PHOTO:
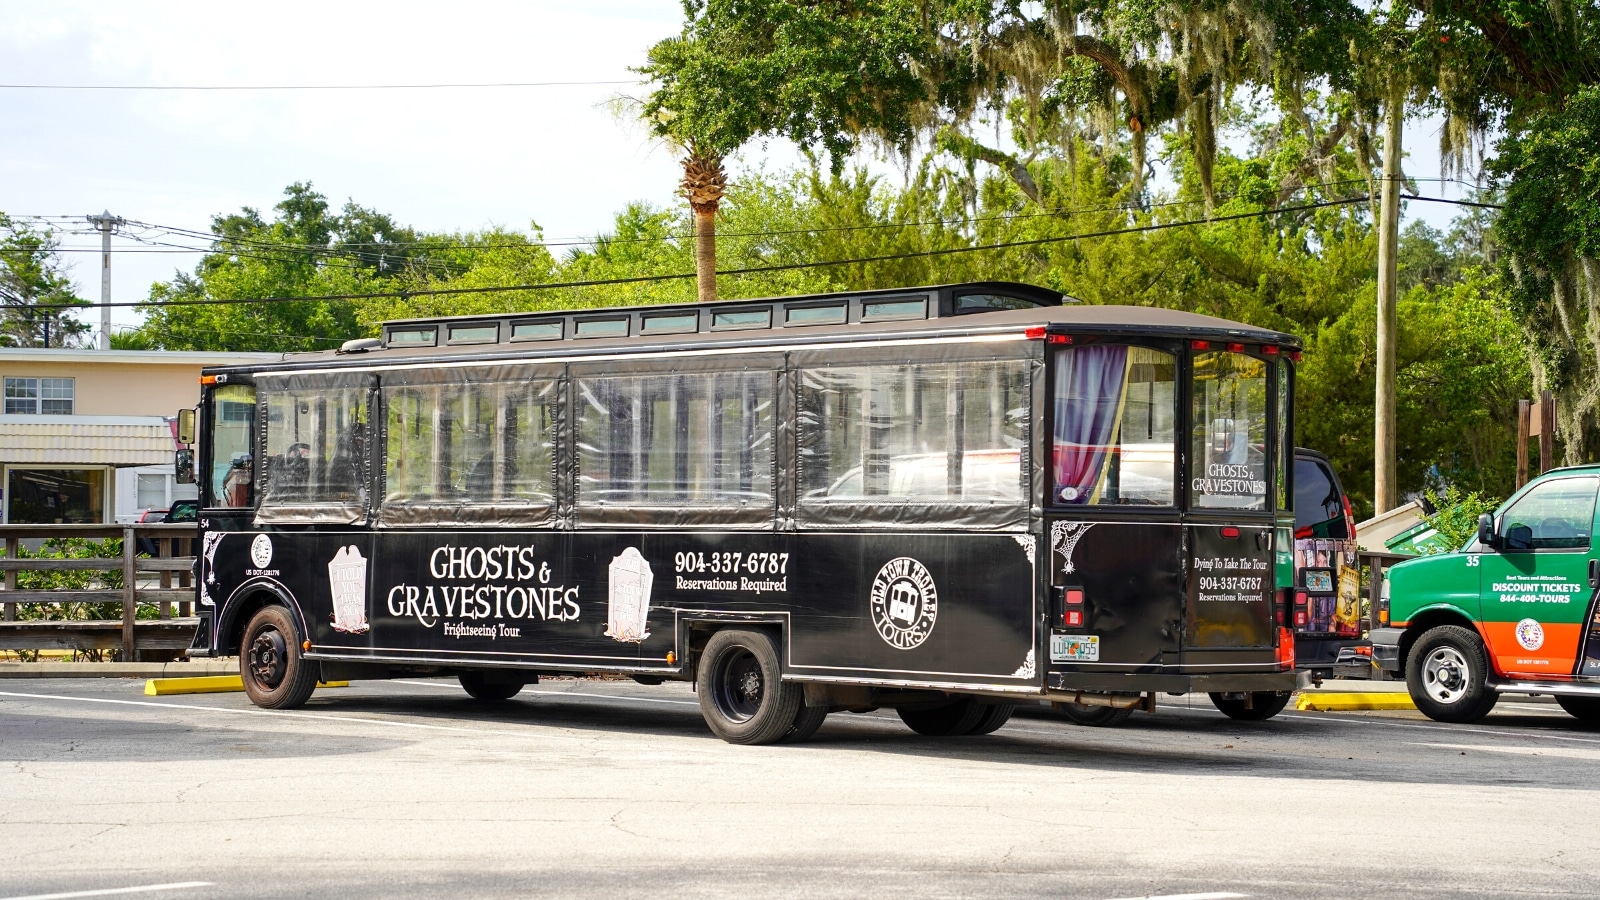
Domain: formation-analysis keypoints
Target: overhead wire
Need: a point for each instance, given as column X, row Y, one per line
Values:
column 309, row 87
column 752, row 270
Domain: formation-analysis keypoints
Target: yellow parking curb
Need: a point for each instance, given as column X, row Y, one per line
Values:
column 1350, row 701
column 210, row 684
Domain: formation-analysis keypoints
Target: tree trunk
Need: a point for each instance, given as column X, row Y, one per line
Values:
column 705, row 254
column 1385, row 494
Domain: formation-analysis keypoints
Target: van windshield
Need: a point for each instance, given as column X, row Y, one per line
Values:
column 1229, row 438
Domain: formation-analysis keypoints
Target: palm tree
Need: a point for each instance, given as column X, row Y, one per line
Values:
column 705, row 183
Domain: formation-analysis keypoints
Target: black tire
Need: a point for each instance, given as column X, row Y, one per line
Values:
column 742, row 694
column 806, row 723
column 1584, row 709
column 957, row 717
column 1095, row 716
column 994, row 717
column 483, row 690
column 1447, row 675
column 275, row 673
column 1263, row 705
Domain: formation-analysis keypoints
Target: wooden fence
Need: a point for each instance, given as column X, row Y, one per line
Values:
column 173, row 560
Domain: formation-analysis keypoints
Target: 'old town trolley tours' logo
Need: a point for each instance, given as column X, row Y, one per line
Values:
column 905, row 602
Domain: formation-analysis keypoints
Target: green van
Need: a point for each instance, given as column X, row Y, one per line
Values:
column 1512, row 612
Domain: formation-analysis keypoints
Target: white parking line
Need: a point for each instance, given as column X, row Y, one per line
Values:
column 108, row 892
column 1551, row 752
column 1212, row 895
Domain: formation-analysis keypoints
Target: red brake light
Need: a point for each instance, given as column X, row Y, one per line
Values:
column 1074, row 617
column 1058, row 339
column 1300, row 598
column 1200, row 345
column 1235, row 348
column 1300, row 618
column 1294, row 355
column 1230, row 531
column 1034, row 334
column 1075, row 598
column 1285, row 648
column 1270, row 350
column 1349, row 517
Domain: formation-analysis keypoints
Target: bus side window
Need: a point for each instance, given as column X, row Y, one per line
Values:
column 316, row 439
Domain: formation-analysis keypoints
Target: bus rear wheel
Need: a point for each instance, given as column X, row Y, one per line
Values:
column 1584, row 709
column 275, row 673
column 958, row 717
column 1447, row 675
column 480, row 688
column 742, row 693
column 1262, row 705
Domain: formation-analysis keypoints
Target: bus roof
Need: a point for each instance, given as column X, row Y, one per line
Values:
column 970, row 308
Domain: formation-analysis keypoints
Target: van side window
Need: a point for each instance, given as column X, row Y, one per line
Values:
column 1554, row 515
column 1318, row 506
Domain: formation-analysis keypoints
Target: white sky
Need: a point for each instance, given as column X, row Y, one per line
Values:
column 436, row 160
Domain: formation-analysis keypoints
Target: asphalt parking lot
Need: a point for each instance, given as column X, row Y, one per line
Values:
column 612, row 789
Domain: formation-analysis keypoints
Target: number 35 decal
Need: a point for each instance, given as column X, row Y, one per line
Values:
column 1472, row 560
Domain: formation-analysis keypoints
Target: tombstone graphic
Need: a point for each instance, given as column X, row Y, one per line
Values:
column 903, row 600
column 629, row 601
column 347, row 579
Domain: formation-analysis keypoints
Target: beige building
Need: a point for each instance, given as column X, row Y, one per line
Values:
column 87, row 436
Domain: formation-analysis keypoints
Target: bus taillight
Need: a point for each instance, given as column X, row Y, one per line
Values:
column 1072, row 615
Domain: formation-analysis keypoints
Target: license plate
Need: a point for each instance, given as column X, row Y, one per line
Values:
column 1074, row 648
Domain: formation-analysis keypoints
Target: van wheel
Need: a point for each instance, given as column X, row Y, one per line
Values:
column 479, row 688
column 1263, row 705
column 1584, row 709
column 1095, row 716
column 949, row 720
column 742, row 695
column 275, row 673
column 1447, row 675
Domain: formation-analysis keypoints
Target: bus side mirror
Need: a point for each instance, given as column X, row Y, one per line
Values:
column 186, row 426
column 1486, row 535
column 183, row 466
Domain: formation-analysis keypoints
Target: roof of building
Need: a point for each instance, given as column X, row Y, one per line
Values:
column 125, row 357
column 86, row 440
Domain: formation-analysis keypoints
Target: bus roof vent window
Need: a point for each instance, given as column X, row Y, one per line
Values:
column 536, row 331
column 412, row 337
column 831, row 314
column 971, row 303
column 671, row 323
column 601, row 328
column 475, row 334
column 742, row 318
column 890, row 310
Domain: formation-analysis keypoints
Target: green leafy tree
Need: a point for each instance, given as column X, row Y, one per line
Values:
column 36, row 295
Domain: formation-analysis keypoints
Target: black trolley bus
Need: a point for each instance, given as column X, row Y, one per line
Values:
column 943, row 500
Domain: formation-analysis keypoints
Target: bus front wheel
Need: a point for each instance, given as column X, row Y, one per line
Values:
column 1262, row 705
column 1447, row 675
column 275, row 673
column 742, row 694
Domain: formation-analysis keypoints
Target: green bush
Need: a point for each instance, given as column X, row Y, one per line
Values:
column 1456, row 516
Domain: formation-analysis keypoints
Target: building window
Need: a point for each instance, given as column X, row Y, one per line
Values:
column 56, row 496
column 39, row 396
column 151, row 491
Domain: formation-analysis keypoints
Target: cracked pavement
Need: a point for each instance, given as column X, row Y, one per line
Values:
column 606, row 789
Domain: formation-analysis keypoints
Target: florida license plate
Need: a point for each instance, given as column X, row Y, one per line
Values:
column 1074, row 648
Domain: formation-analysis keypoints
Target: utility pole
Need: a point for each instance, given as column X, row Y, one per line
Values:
column 1384, row 471
column 106, row 222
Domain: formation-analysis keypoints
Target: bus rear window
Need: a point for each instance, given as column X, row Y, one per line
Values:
column 1115, row 408
column 1228, row 450
column 1318, row 505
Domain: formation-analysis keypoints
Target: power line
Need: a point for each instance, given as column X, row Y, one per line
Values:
column 308, row 87
column 753, row 270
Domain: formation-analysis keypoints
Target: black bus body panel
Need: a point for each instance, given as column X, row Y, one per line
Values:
column 925, row 609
